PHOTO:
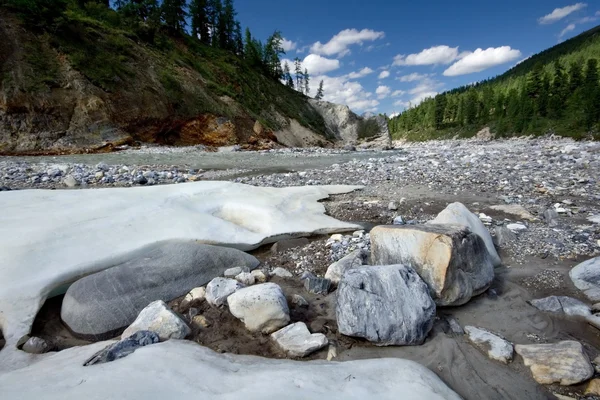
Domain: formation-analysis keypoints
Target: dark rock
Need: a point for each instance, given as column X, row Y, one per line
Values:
column 387, row 305
column 123, row 348
column 504, row 236
column 284, row 245
column 316, row 285
column 141, row 180
column 100, row 305
column 551, row 217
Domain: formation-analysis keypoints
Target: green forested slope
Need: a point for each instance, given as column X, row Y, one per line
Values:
column 556, row 91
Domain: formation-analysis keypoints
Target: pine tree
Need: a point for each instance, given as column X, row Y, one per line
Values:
column 575, row 76
column 271, row 55
column 174, row 14
column 471, row 107
column 226, row 26
column 592, row 94
column 214, row 9
column 238, row 39
column 558, row 92
column 199, row 20
column 306, row 82
column 319, row 95
column 287, row 76
column 440, row 108
column 299, row 74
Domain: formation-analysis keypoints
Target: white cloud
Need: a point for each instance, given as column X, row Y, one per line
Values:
column 398, row 93
column 288, row 45
column 360, row 74
column 319, row 65
column 568, row 29
column 341, row 90
column 394, row 114
column 384, row 74
column 412, row 77
column 431, row 56
column 383, row 92
column 480, row 60
column 426, row 88
column 338, row 45
column 560, row 13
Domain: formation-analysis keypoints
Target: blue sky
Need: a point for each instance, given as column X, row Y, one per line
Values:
column 383, row 55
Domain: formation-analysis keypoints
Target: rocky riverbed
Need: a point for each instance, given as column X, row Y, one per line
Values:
column 539, row 199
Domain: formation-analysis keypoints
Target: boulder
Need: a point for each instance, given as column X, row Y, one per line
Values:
column 458, row 214
column 336, row 270
column 219, row 289
column 564, row 363
column 495, row 347
column 586, row 277
column 451, row 259
column 562, row 305
column 516, row 228
column 261, row 308
column 387, row 305
column 297, row 341
column 99, row 305
column 178, row 369
column 158, row 318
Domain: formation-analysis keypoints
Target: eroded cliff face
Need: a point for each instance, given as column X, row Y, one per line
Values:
column 349, row 128
column 57, row 96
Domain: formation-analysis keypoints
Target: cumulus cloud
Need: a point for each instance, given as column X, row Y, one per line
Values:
column 398, row 93
column 384, row 74
column 431, row 56
column 560, row 13
column 315, row 64
column 426, row 88
column 412, row 77
column 480, row 60
column 341, row 90
column 383, row 92
column 288, row 45
column 340, row 43
column 360, row 74
column 569, row 28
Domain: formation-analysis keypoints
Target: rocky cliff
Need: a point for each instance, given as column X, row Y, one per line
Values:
column 85, row 87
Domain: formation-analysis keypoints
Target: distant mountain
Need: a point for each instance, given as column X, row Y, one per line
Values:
column 556, row 91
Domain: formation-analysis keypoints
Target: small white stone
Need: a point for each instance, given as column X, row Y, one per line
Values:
column 219, row 289
column 516, row 227
column 195, row 295
column 157, row 317
column 497, row 348
column 392, row 206
column 246, row 278
column 232, row 272
column 338, row 237
column 299, row 301
column 297, row 341
column 259, row 276
column 282, row 273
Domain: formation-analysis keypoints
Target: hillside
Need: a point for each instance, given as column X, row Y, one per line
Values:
column 556, row 91
column 86, row 78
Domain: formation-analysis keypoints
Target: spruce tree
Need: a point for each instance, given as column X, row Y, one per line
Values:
column 287, row 76
column 299, row 74
column 199, row 19
column 320, row 94
column 214, row 9
column 592, row 94
column 173, row 14
column 558, row 92
column 306, row 82
column 440, row 108
column 575, row 76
